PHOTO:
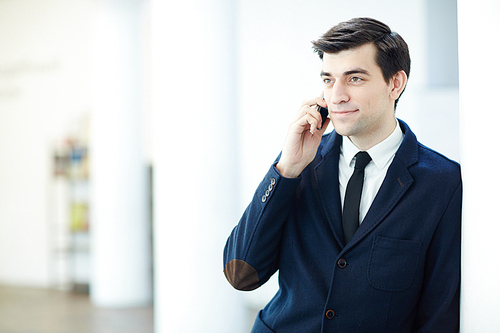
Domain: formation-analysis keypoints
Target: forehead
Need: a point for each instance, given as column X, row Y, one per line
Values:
column 363, row 57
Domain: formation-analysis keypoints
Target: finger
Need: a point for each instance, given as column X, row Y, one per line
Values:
column 305, row 109
column 325, row 125
column 315, row 101
column 311, row 115
column 310, row 106
column 315, row 112
column 308, row 122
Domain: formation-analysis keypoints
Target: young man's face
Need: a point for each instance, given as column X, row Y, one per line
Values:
column 360, row 102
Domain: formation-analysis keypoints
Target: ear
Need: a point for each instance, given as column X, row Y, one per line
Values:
column 398, row 84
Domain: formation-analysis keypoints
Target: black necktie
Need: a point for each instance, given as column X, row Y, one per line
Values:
column 350, row 215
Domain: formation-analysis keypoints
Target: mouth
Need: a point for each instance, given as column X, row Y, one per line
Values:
column 344, row 113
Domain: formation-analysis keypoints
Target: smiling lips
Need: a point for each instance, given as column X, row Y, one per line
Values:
column 344, row 112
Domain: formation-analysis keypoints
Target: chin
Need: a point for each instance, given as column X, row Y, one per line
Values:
column 343, row 129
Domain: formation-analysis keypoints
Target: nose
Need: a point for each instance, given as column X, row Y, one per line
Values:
column 339, row 93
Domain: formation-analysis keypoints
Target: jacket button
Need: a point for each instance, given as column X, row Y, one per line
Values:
column 330, row 314
column 342, row 263
column 264, row 198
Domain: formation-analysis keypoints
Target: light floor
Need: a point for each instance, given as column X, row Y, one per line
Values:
column 25, row 310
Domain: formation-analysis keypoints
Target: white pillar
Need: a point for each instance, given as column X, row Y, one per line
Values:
column 195, row 164
column 478, row 28
column 120, row 246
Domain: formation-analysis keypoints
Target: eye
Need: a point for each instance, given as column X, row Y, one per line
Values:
column 356, row 79
column 327, row 80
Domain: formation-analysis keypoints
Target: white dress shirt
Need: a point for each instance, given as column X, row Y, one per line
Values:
column 382, row 155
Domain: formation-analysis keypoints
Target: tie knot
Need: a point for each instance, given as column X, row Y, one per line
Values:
column 362, row 159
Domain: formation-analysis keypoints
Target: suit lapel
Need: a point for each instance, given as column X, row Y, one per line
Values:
column 327, row 180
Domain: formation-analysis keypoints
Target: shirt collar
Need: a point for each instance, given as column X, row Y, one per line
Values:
column 381, row 153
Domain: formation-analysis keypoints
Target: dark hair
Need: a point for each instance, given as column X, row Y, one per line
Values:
column 392, row 51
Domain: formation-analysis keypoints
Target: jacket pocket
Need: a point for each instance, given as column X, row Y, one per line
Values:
column 393, row 263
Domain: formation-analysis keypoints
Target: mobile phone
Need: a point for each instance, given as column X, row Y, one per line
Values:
column 324, row 114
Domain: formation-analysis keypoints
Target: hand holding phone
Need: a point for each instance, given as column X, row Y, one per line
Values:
column 303, row 137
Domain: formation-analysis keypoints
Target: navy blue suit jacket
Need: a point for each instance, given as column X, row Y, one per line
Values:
column 399, row 273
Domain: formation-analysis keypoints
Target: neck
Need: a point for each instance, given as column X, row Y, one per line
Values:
column 377, row 135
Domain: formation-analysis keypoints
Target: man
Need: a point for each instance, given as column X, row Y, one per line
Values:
column 397, row 268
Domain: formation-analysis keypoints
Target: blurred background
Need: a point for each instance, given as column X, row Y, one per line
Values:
column 133, row 134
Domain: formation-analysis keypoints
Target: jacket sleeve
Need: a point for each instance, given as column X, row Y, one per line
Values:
column 251, row 254
column 438, row 309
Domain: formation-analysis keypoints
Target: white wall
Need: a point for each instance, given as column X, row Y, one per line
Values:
column 120, row 230
column 43, row 86
column 195, row 165
column 479, row 25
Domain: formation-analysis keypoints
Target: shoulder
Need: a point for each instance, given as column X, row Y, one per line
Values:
column 436, row 159
column 426, row 162
column 435, row 168
column 438, row 167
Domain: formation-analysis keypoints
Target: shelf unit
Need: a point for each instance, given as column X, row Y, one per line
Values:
column 70, row 229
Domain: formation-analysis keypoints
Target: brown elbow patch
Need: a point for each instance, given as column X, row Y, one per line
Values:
column 241, row 275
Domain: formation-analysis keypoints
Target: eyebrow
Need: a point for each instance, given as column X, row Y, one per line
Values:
column 346, row 73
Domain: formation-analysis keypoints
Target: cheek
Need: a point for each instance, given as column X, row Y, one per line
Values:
column 374, row 101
